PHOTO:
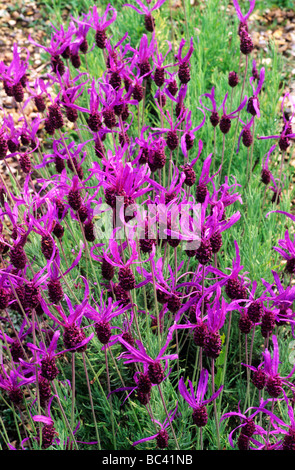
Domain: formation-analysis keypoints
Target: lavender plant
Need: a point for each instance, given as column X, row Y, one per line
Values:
column 138, row 254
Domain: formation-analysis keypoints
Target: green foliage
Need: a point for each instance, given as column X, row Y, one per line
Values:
column 264, row 4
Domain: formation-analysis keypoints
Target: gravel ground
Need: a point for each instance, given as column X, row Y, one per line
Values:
column 18, row 20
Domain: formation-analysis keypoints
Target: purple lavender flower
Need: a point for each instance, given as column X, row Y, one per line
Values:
column 196, row 399
column 172, row 139
column 187, row 168
column 125, row 275
column 44, row 227
column 177, row 96
column 266, row 175
column 253, row 102
column 233, row 79
column 171, row 87
column 225, row 120
column 188, row 137
column 102, row 316
column 100, row 24
column 243, row 18
column 63, row 153
column 216, row 314
column 69, row 93
column 247, row 428
column 255, row 74
column 55, row 274
column 81, row 33
column 122, row 184
column 74, row 337
column 159, row 74
column 218, row 225
column 12, row 382
column 58, row 44
column 268, row 370
column 225, row 194
column 48, row 430
column 204, row 180
column 276, row 188
column 214, row 117
column 235, row 288
column 46, row 357
column 15, row 344
column 287, row 251
column 246, row 43
column 246, row 134
column 162, row 437
column 282, row 427
column 254, row 305
column 166, row 195
column 116, row 57
column 142, row 387
column 281, row 298
column 166, row 290
column 143, row 54
column 31, row 289
column 38, row 93
column 183, row 63
column 10, row 135
column 155, row 369
column 12, row 75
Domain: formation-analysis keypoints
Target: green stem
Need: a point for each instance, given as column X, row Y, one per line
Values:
column 214, row 149
column 168, row 417
column 156, row 304
column 222, row 157
column 91, row 401
column 4, row 431
column 36, row 373
column 248, row 372
column 73, row 391
column 214, row 405
column 238, row 117
column 280, row 177
column 252, row 150
column 110, row 397
column 225, row 357
column 248, row 369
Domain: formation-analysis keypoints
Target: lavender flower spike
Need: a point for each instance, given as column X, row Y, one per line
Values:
column 196, row 399
column 225, row 121
column 162, row 436
column 243, row 18
column 247, row 426
column 253, row 102
column 183, row 62
column 149, row 21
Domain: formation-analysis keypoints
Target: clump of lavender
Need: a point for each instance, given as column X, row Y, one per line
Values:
column 117, row 177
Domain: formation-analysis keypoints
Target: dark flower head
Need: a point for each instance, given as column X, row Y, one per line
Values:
column 233, row 79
